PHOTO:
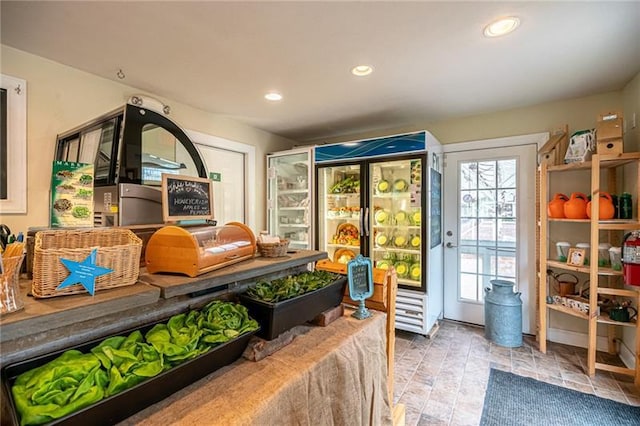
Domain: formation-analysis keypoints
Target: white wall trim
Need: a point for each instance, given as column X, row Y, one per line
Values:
column 626, row 355
column 535, row 138
column 250, row 166
column 574, row 338
column 16, row 201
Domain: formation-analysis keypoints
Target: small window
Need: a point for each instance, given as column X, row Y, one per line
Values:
column 13, row 145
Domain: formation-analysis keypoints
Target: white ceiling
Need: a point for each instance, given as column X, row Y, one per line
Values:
column 431, row 61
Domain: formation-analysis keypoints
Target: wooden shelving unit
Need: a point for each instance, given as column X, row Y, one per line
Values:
column 597, row 275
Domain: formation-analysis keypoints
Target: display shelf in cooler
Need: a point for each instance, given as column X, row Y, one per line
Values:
column 344, row 246
column 396, row 250
column 292, row 191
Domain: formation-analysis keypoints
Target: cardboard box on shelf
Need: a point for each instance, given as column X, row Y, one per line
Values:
column 609, row 126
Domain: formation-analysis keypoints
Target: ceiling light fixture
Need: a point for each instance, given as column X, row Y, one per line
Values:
column 501, row 26
column 273, row 96
column 361, row 70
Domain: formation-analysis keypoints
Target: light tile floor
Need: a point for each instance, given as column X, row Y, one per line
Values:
column 442, row 381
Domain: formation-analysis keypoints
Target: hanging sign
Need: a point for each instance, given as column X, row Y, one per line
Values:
column 71, row 194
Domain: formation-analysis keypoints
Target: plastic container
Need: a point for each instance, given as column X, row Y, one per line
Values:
column 615, row 257
column 587, row 251
column 276, row 318
column 562, row 248
column 118, row 407
column 503, row 314
column 10, row 296
column 604, row 259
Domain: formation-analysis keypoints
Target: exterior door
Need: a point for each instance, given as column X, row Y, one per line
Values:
column 489, row 228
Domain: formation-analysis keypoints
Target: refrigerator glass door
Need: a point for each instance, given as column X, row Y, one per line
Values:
column 289, row 200
column 340, row 213
column 396, row 237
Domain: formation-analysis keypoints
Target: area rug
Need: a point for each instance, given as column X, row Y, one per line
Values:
column 516, row 400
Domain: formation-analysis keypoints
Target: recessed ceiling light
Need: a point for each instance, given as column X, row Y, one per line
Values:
column 361, row 70
column 273, row 96
column 501, row 27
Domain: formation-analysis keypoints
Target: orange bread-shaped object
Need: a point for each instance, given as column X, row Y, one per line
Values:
column 576, row 206
column 555, row 208
column 195, row 250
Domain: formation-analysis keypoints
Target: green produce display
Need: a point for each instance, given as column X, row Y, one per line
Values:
column 69, row 383
column 383, row 264
column 415, row 272
column 291, row 286
column 402, row 268
column 348, row 185
column 75, row 380
column 128, row 361
column 383, row 186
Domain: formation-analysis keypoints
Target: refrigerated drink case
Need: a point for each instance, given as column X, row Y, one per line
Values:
column 397, row 236
column 340, row 215
column 375, row 198
column 289, row 197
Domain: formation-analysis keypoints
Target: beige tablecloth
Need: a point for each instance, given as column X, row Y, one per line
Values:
column 334, row 375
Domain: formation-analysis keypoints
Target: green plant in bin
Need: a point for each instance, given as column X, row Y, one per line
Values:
column 76, row 380
column 292, row 286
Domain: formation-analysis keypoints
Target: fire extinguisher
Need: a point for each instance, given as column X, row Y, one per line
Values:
column 631, row 258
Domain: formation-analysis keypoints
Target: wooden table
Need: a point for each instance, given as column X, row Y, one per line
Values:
column 330, row 375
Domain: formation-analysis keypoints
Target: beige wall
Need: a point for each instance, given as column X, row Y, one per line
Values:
column 578, row 113
column 60, row 98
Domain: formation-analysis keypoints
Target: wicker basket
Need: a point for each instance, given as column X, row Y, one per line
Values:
column 118, row 249
column 273, row 249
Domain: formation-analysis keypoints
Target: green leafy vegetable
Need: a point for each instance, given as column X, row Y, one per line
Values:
column 291, row 286
column 75, row 380
column 68, row 383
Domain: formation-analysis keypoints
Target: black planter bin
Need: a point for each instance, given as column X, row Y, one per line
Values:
column 118, row 407
column 276, row 318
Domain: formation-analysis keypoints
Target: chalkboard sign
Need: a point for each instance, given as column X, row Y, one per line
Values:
column 360, row 277
column 186, row 198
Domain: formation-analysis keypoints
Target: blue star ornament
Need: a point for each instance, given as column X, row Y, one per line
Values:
column 84, row 272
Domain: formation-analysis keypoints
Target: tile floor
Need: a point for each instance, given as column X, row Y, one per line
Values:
column 442, row 381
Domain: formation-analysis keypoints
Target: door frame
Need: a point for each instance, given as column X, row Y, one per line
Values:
column 539, row 139
column 249, row 152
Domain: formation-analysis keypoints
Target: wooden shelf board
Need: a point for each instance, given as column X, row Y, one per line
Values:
column 619, row 225
column 615, row 369
column 604, row 319
column 618, row 292
column 567, row 310
column 584, row 269
column 606, row 161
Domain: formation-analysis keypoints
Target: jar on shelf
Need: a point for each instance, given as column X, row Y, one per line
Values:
column 626, row 206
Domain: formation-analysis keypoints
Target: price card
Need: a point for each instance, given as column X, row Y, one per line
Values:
column 360, row 278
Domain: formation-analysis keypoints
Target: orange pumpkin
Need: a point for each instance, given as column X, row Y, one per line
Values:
column 607, row 209
column 576, row 206
column 555, row 208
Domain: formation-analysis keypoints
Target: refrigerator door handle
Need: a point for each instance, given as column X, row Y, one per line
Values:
column 366, row 221
column 361, row 223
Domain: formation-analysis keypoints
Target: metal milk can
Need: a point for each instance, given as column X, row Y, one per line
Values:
column 503, row 314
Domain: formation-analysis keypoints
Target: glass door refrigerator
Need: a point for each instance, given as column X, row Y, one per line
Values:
column 381, row 198
column 289, row 197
